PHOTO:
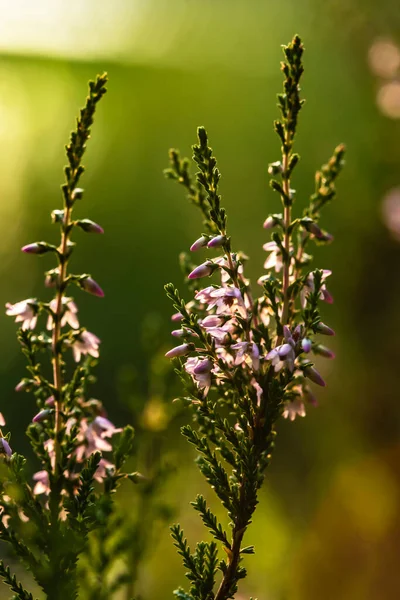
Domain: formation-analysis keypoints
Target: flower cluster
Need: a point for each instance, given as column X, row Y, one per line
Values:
column 48, row 524
column 246, row 356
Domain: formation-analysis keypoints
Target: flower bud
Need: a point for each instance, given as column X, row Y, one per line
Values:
column 217, row 241
column 176, row 317
column 77, row 194
column 311, row 227
column 314, row 376
column 269, row 222
column 5, row 447
column 306, row 344
column 324, row 329
column 211, row 321
column 42, row 416
column 91, row 286
column 89, row 226
column 37, row 248
column 179, row 351
column 50, row 401
column 200, row 243
column 178, row 332
column 203, row 270
column 57, row 216
column 323, row 351
column 52, row 278
column 24, row 385
column 275, row 168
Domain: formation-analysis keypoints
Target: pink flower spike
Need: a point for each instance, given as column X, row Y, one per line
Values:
column 92, row 287
column 178, row 351
column 200, row 243
column 314, row 376
column 203, row 270
column 5, row 447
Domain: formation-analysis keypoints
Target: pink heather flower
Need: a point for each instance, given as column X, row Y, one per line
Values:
column 274, row 260
column 2, row 420
column 294, row 409
column 227, row 300
column 309, row 287
column 42, row 485
column 178, row 351
column 306, row 345
column 94, row 436
column 247, row 352
column 86, row 343
column 105, row 466
column 5, row 447
column 203, row 270
column 217, row 241
column 211, row 321
column 25, row 312
column 91, row 286
column 314, row 376
column 69, row 316
column 50, row 401
column 200, row 370
column 283, row 356
column 269, row 222
column 200, row 243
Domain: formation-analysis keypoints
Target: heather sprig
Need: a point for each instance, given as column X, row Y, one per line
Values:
column 48, row 524
column 245, row 359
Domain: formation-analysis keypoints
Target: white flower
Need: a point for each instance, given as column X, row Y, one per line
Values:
column 69, row 316
column 274, row 260
column 294, row 409
column 25, row 311
column 86, row 343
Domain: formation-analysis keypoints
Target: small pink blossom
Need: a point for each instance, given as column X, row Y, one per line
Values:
column 200, row 370
column 86, row 343
column 69, row 315
column 25, row 312
column 309, row 287
column 247, row 352
column 274, row 260
column 294, row 409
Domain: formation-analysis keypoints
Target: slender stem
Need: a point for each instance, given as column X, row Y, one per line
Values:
column 286, row 242
column 57, row 354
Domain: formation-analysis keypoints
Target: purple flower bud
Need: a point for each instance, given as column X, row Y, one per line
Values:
column 89, row 226
column 50, row 401
column 203, row 270
column 217, row 241
column 178, row 351
column 5, row 447
column 200, row 243
column 41, row 416
column 312, row 227
column 314, row 376
column 306, row 344
column 178, row 332
column 323, row 351
column 324, row 329
column 37, row 248
column 176, row 317
column 91, row 286
column 211, row 321
column 23, row 385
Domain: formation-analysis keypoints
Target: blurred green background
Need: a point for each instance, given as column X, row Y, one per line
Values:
column 328, row 524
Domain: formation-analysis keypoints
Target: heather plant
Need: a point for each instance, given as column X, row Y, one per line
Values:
column 246, row 357
column 81, row 455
